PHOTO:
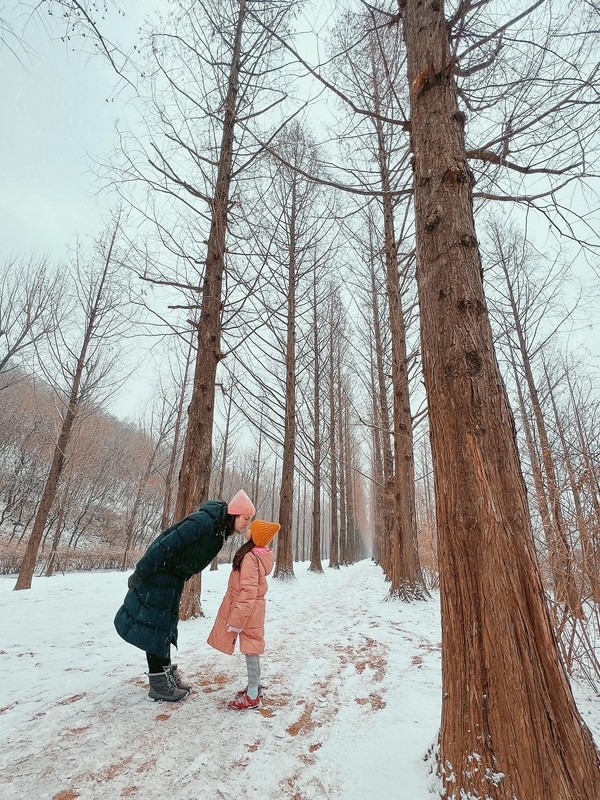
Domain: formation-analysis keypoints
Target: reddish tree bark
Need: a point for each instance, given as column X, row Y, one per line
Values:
column 196, row 464
column 510, row 727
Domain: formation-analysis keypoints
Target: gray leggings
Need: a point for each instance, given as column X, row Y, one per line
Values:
column 253, row 667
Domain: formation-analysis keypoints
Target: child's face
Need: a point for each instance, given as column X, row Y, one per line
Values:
column 242, row 524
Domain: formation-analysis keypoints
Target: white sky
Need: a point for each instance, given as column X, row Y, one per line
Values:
column 352, row 704
column 59, row 110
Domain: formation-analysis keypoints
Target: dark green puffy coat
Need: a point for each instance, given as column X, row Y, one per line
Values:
column 150, row 612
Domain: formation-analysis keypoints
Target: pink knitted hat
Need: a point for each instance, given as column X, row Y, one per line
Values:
column 240, row 503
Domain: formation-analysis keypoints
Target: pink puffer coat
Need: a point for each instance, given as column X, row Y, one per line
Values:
column 244, row 605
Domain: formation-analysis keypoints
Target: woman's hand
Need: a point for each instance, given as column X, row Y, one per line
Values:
column 233, row 630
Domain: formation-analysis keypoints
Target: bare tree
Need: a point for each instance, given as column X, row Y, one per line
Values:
column 374, row 325
column 369, row 67
column 503, row 680
column 335, row 324
column 87, row 369
column 196, row 463
column 317, row 346
column 529, row 312
column 29, row 311
column 210, row 79
column 292, row 239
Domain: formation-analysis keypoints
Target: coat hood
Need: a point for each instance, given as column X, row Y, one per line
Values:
column 265, row 556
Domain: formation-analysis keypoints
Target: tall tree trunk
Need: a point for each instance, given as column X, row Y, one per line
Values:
column 334, row 546
column 305, row 549
column 510, row 727
column 297, row 540
column 382, row 500
column 341, row 460
column 377, row 483
column 350, row 494
column 196, row 464
column 560, row 550
column 406, row 578
column 315, row 534
column 284, row 567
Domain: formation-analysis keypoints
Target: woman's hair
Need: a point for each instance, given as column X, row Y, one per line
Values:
column 229, row 525
column 238, row 557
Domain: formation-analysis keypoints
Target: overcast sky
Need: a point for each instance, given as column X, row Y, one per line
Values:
column 58, row 113
column 59, row 109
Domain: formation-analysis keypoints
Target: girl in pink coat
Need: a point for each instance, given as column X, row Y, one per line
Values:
column 242, row 611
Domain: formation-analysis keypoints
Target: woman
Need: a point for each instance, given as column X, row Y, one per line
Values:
column 242, row 612
column 150, row 612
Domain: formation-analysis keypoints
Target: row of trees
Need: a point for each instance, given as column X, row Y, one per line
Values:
column 113, row 494
column 568, row 434
column 86, row 478
column 444, row 116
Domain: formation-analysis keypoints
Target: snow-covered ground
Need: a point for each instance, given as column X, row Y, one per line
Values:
column 352, row 704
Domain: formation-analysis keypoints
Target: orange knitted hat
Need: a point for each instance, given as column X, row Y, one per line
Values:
column 262, row 532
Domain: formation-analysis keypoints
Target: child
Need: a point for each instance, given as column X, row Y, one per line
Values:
column 242, row 611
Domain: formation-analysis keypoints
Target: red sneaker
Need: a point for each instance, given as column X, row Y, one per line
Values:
column 240, row 692
column 243, row 702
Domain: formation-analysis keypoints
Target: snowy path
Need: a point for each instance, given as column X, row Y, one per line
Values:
column 344, row 714
column 352, row 703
